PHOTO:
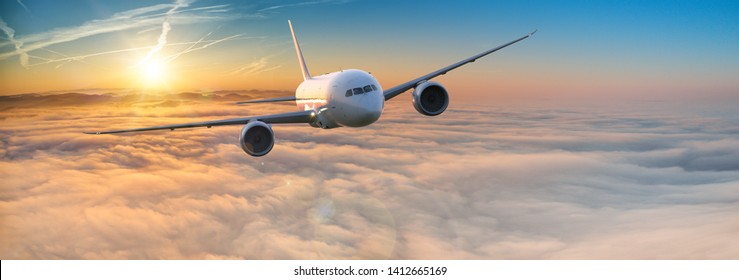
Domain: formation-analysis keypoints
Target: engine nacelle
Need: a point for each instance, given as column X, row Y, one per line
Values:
column 430, row 98
column 257, row 138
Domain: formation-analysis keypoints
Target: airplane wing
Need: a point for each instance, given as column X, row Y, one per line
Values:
column 293, row 117
column 395, row 91
column 278, row 99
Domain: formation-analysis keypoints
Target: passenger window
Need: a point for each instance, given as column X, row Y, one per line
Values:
column 373, row 87
column 367, row 88
column 348, row 93
column 358, row 90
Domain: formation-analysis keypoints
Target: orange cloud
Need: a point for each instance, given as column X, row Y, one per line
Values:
column 474, row 183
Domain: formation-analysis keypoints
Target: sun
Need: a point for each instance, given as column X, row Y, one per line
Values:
column 152, row 74
column 153, row 71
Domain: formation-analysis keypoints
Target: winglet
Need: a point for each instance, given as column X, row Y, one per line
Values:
column 532, row 33
column 303, row 67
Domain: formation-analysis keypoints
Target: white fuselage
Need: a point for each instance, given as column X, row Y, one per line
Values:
column 346, row 98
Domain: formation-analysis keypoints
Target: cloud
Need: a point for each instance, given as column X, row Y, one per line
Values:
column 507, row 182
column 698, row 156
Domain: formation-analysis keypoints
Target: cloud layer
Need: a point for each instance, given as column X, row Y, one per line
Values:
column 508, row 182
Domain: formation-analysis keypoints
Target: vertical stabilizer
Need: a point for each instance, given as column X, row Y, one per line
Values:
column 303, row 67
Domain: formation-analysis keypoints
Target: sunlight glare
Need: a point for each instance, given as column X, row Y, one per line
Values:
column 153, row 74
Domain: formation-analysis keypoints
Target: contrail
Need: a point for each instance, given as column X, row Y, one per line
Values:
column 84, row 56
column 191, row 49
column 67, row 59
column 24, row 7
column 175, row 56
column 18, row 44
column 166, row 27
column 275, row 7
column 125, row 20
column 255, row 67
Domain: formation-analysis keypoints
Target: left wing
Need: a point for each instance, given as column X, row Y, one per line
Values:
column 293, row 117
column 277, row 99
column 392, row 92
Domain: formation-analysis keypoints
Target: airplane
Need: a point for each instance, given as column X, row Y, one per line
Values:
column 352, row 98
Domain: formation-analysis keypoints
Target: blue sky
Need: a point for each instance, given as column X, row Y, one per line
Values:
column 584, row 48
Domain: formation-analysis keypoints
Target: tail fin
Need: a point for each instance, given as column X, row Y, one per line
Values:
column 303, row 67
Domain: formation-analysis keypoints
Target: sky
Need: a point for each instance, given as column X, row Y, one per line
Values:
column 609, row 134
column 597, row 50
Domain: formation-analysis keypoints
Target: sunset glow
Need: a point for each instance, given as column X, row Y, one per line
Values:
column 612, row 133
column 153, row 74
column 595, row 50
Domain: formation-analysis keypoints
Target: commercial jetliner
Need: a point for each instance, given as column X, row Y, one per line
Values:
column 351, row 98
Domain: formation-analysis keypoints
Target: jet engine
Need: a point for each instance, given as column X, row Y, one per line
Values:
column 430, row 98
column 257, row 138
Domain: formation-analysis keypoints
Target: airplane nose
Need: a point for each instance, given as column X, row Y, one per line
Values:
column 371, row 114
column 366, row 116
column 374, row 108
column 368, row 112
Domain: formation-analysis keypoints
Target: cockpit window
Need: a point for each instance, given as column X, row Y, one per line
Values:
column 361, row 90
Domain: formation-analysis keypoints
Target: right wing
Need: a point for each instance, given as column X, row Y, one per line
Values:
column 392, row 92
column 293, row 117
column 277, row 99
